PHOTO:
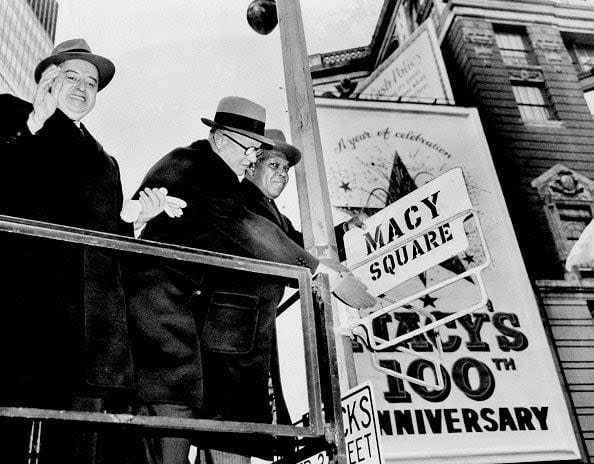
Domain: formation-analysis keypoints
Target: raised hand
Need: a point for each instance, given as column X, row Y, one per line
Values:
column 45, row 100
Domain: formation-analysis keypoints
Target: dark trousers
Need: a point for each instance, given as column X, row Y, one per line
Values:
column 166, row 450
column 175, row 450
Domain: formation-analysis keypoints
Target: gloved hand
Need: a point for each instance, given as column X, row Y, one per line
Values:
column 151, row 203
column 345, row 286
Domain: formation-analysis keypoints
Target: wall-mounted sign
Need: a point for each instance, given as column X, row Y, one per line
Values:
column 502, row 400
column 410, row 235
column 361, row 431
column 415, row 72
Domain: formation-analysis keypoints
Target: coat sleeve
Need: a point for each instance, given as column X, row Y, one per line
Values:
column 255, row 234
column 13, row 120
column 215, row 202
column 122, row 228
column 18, row 175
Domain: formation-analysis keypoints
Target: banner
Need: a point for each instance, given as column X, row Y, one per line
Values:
column 502, row 400
column 415, row 72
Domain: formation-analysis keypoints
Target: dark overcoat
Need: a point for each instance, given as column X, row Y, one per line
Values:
column 64, row 314
column 176, row 308
column 237, row 379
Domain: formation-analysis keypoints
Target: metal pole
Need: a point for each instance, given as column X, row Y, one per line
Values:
column 34, row 442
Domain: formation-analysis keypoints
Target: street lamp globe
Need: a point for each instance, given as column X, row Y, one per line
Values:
column 261, row 16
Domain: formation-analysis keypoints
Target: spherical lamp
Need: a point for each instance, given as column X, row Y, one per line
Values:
column 261, row 16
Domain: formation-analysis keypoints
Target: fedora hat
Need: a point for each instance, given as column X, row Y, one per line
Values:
column 292, row 154
column 78, row 49
column 243, row 116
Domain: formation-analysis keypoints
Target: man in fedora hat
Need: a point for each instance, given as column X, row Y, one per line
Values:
column 266, row 179
column 170, row 301
column 237, row 383
column 64, row 342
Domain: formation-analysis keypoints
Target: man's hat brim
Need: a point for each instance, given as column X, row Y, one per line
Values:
column 265, row 141
column 105, row 68
column 292, row 154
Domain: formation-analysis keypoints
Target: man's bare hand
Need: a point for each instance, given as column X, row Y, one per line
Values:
column 45, row 100
column 152, row 202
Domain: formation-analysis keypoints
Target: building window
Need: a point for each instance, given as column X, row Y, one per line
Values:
column 589, row 96
column 573, row 218
column 581, row 50
column 514, row 47
column 532, row 102
column 582, row 56
column 590, row 304
column 419, row 10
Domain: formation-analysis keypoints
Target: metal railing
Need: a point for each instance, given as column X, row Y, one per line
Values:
column 324, row 431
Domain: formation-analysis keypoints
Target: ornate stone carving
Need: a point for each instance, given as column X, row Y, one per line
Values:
column 527, row 75
column 565, row 184
column 548, row 44
column 567, row 200
column 560, row 183
column 479, row 37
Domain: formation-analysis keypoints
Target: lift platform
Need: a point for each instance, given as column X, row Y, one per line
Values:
column 324, row 430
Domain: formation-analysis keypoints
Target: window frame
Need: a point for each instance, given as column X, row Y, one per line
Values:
column 546, row 104
column 514, row 56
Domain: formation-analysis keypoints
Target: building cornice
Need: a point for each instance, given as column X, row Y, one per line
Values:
column 571, row 16
column 358, row 58
column 566, row 15
column 565, row 286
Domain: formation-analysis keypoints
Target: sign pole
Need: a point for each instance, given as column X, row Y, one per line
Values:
column 314, row 199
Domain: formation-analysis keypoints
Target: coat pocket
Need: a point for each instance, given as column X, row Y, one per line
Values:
column 231, row 323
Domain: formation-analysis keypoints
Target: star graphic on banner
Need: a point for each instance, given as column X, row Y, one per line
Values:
column 401, row 184
column 428, row 300
column 345, row 186
column 468, row 258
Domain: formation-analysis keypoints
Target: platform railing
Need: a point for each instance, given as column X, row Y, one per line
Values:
column 324, row 431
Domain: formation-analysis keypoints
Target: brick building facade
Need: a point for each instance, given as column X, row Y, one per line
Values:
column 528, row 67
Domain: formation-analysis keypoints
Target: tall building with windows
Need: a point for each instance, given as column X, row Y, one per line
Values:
column 528, row 67
column 27, row 31
column 47, row 13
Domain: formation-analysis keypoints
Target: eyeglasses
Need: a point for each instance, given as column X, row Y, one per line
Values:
column 250, row 152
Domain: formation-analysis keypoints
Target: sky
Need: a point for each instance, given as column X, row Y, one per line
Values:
column 175, row 60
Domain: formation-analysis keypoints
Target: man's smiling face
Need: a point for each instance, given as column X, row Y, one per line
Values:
column 77, row 96
column 271, row 173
